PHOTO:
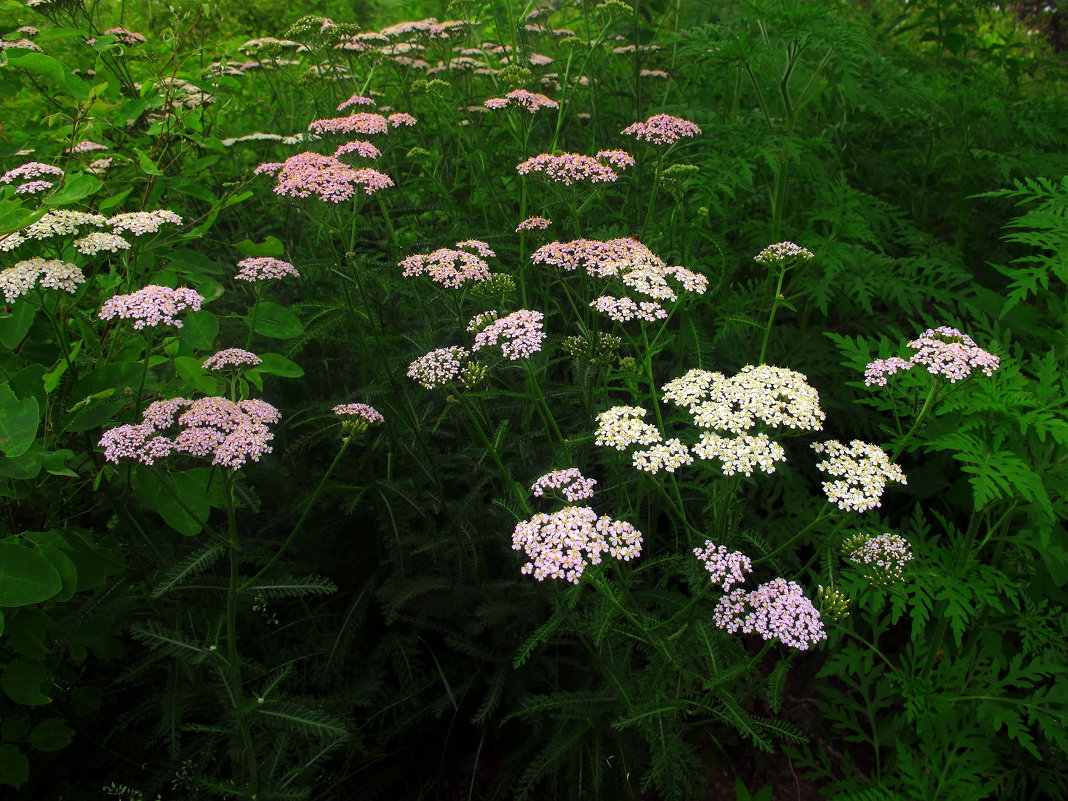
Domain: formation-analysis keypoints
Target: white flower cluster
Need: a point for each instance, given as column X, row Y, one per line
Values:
column 62, row 222
column 668, row 455
column 881, row 559
column 774, row 396
column 782, row 253
column 622, row 426
column 862, row 471
column 139, row 223
column 97, row 241
column 45, row 273
column 741, row 454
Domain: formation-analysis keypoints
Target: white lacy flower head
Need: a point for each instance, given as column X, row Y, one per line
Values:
column 862, row 470
column 622, row 426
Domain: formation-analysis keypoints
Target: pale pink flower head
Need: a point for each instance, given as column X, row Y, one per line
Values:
column 438, row 367
column 776, row 610
column 478, row 246
column 519, row 334
column 569, row 168
column 881, row 559
column 562, row 545
column 265, row 268
column 620, row 159
column 521, row 98
column 19, row 279
column 569, row 483
column 725, row 568
column 356, row 100
column 33, row 187
column 448, row 267
column 154, row 305
column 662, row 129
column 944, row 352
column 783, row 253
column 402, row 118
column 625, row 309
column 326, row 177
column 31, row 169
column 140, row 223
column 228, row 432
column 534, row 224
column 362, row 122
column 357, row 417
column 231, row 359
column 360, row 147
column 653, row 74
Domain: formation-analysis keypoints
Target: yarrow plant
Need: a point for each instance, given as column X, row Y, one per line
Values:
column 231, row 433
column 572, row 168
column 881, row 559
column 518, row 334
column 19, row 279
column 783, row 253
column 570, row 483
column 563, row 544
column 326, row 177
column 662, row 129
column 154, row 305
column 776, row 610
column 521, row 98
column 451, row 268
column 862, row 470
column 725, row 568
column 945, row 353
column 264, row 268
column 534, row 224
column 230, row 359
column 438, row 367
column 358, row 417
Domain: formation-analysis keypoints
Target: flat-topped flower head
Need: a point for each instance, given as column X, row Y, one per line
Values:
column 620, row 159
column 140, row 223
column 355, row 100
column 773, row 396
column 563, row 544
column 62, row 222
column 362, row 122
column 571, row 168
column 230, row 433
column 662, row 129
column 31, row 169
column 668, row 456
column 401, row 118
column 358, row 417
column 881, row 559
column 151, row 306
column 624, row 309
column 521, row 98
column 97, row 241
column 123, row 36
column 725, row 568
column 438, row 367
column 622, row 426
column 776, row 610
column 33, row 187
column 448, row 267
column 740, row 454
column 518, row 334
column 326, row 177
column 231, row 359
column 265, row 268
column 862, row 470
column 360, row 147
column 783, row 254
column 534, row 224
column 944, row 352
column 19, row 279
column 569, row 483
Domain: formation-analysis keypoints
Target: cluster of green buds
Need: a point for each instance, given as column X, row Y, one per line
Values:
column 881, row 560
column 598, row 348
column 833, row 603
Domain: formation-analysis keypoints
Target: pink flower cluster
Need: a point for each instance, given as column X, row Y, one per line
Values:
column 521, row 98
column 944, row 351
column 326, row 177
column 662, row 129
column 231, row 433
column 563, row 544
column 360, row 147
column 367, row 413
column 123, row 36
column 572, row 485
column 534, row 224
column 153, row 305
column 32, row 169
column 572, row 168
column 725, row 568
column 775, row 610
column 519, row 334
column 231, row 357
column 448, row 267
column 362, row 122
column 264, row 268
column 356, row 100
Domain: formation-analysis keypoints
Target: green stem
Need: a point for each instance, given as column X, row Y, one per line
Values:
column 303, row 517
column 935, row 386
column 771, row 316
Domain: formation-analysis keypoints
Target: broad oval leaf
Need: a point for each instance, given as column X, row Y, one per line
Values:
column 18, row 422
column 26, row 576
column 275, row 321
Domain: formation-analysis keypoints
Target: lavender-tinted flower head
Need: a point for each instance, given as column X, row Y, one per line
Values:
column 438, row 367
column 231, row 359
column 944, row 352
column 534, row 224
column 783, row 254
column 725, row 568
column 357, row 417
column 775, row 610
column 570, row 483
column 662, row 129
column 264, row 268
column 519, row 334
column 563, row 544
column 151, row 306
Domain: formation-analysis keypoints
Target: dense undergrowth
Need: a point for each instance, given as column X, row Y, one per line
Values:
column 547, row 400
